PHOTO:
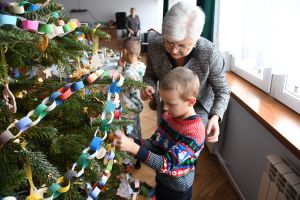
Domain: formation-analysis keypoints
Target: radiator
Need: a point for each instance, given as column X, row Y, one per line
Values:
column 280, row 181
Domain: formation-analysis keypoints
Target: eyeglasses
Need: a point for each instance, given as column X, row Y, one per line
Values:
column 179, row 47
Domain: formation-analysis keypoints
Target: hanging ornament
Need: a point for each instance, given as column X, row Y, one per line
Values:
column 61, row 22
column 9, row 198
column 48, row 72
column 21, row 94
column 42, row 44
column 16, row 73
column 85, row 109
column 55, row 15
column 95, row 62
column 40, row 80
column 9, row 99
column 35, row 194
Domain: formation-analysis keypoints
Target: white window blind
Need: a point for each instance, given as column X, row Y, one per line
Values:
column 263, row 37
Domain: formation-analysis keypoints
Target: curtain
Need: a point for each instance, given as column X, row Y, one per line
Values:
column 262, row 33
column 166, row 7
column 208, row 7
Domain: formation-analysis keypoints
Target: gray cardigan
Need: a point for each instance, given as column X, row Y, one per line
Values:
column 207, row 62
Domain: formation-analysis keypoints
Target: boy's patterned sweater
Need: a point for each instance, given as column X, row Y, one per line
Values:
column 131, row 96
column 173, row 149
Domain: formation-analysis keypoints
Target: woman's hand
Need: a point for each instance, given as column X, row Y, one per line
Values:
column 148, row 93
column 213, row 130
column 125, row 143
column 130, row 31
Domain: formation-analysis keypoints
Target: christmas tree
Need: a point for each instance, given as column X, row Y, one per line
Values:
column 58, row 113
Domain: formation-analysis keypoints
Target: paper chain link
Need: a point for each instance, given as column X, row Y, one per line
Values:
column 51, row 30
column 62, row 184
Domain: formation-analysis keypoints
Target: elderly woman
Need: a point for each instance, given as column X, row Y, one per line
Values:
column 181, row 46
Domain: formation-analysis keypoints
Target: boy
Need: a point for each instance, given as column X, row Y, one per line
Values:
column 174, row 147
column 131, row 68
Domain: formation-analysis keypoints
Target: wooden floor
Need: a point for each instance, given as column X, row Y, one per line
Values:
column 210, row 182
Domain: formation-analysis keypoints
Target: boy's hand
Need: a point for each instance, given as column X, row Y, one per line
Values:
column 148, row 93
column 125, row 143
column 213, row 130
column 116, row 75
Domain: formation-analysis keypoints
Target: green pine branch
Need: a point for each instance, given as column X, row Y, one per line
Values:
column 90, row 31
column 44, row 12
column 11, row 37
column 3, row 67
column 11, row 181
column 73, row 193
column 70, row 43
column 12, row 176
column 69, row 146
column 134, row 84
column 41, row 135
column 6, row 116
column 43, row 171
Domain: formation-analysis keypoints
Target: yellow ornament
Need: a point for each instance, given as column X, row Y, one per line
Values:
column 85, row 109
column 19, row 95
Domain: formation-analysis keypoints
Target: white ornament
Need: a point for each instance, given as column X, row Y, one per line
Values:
column 9, row 99
column 95, row 62
column 48, row 72
column 9, row 198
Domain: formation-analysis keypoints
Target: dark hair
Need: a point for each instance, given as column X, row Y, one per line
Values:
column 132, row 45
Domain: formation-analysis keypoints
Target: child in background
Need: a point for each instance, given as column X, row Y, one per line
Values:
column 173, row 149
column 131, row 68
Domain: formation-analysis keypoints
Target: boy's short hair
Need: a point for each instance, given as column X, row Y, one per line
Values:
column 132, row 45
column 183, row 80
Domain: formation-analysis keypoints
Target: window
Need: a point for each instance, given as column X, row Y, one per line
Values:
column 286, row 91
column 263, row 37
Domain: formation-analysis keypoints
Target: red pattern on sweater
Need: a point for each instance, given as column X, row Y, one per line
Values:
column 188, row 127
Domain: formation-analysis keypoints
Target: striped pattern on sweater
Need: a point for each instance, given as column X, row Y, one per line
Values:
column 176, row 145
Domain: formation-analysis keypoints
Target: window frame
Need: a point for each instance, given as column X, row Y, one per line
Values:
column 262, row 81
column 279, row 92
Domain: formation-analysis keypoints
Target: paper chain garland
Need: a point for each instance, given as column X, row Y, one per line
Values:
column 48, row 104
column 18, row 8
column 51, row 30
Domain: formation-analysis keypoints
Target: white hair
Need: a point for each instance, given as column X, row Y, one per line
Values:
column 183, row 21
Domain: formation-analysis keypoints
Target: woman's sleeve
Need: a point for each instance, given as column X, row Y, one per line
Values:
column 218, row 81
column 139, row 27
column 150, row 77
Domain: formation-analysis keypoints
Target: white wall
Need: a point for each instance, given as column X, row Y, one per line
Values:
column 172, row 2
column 149, row 11
column 244, row 147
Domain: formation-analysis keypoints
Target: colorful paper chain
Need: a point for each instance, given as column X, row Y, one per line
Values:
column 48, row 104
column 51, row 30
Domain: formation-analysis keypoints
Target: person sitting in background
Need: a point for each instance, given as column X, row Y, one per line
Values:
column 133, row 24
